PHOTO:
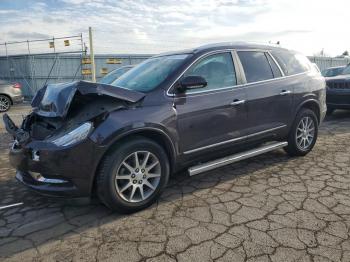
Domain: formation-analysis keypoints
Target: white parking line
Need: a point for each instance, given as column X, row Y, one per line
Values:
column 13, row 205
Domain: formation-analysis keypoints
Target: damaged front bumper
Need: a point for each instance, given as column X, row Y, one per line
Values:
column 52, row 152
column 55, row 171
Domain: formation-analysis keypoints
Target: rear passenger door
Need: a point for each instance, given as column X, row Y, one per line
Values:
column 269, row 97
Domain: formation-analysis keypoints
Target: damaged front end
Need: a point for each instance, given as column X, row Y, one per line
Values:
column 51, row 149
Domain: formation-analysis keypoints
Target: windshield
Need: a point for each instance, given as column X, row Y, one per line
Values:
column 332, row 71
column 150, row 73
column 346, row 71
column 113, row 75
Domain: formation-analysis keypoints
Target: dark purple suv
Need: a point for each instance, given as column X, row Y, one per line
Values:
column 193, row 110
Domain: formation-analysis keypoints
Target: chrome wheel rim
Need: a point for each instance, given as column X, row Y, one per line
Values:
column 305, row 133
column 138, row 176
column 4, row 103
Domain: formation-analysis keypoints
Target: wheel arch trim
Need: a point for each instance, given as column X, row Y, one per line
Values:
column 139, row 131
column 310, row 101
column 143, row 130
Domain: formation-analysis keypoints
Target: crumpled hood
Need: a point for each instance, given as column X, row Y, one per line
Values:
column 58, row 108
column 54, row 100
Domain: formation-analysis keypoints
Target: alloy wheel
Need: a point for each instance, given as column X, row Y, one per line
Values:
column 138, row 176
column 305, row 133
column 4, row 103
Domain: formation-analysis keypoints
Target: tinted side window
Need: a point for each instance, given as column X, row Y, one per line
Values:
column 275, row 70
column 217, row 70
column 255, row 65
column 291, row 63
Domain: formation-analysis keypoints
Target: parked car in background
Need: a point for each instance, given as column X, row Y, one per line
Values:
column 115, row 74
column 338, row 91
column 197, row 110
column 10, row 93
column 332, row 71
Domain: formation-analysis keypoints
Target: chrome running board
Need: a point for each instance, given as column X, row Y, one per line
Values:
column 235, row 158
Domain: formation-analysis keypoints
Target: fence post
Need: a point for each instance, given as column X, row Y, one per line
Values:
column 92, row 58
column 8, row 63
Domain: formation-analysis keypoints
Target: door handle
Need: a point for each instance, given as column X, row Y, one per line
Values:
column 237, row 102
column 285, row 92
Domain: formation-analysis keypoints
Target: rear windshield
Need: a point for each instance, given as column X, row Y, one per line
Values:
column 332, row 71
column 149, row 74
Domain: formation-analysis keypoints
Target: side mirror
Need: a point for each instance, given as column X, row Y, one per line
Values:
column 192, row 82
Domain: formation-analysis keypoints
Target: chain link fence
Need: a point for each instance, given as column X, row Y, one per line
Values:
column 36, row 62
column 326, row 62
column 34, row 71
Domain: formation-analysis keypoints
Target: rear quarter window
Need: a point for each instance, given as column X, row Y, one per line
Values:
column 291, row 63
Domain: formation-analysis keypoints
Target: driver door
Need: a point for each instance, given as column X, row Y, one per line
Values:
column 212, row 117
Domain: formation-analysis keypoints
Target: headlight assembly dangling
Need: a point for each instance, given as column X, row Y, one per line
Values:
column 74, row 136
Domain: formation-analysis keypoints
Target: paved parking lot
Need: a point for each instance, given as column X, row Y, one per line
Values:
column 270, row 208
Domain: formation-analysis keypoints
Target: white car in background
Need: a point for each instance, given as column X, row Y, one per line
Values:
column 10, row 93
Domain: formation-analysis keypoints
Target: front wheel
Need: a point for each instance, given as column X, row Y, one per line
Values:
column 133, row 176
column 303, row 134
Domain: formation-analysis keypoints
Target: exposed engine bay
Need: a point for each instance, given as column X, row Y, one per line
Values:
column 58, row 108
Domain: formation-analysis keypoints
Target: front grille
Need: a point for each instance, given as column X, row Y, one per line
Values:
column 339, row 85
column 338, row 99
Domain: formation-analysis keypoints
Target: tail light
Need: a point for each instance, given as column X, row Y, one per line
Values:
column 17, row 85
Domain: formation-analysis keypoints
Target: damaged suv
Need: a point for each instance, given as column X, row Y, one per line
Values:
column 197, row 110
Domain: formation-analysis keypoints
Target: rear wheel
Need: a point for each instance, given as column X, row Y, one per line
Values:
column 303, row 134
column 5, row 103
column 133, row 176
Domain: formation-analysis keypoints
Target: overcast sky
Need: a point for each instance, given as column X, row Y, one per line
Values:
column 152, row 26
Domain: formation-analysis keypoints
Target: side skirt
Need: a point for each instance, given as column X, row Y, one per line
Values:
column 235, row 158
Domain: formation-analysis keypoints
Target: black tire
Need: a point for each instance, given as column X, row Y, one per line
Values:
column 112, row 162
column 293, row 149
column 329, row 111
column 5, row 103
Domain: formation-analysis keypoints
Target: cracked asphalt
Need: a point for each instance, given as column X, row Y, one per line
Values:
column 268, row 208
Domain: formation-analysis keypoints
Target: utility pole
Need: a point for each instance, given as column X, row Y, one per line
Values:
column 92, row 58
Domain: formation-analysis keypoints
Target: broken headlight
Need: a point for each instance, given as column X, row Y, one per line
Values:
column 74, row 136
